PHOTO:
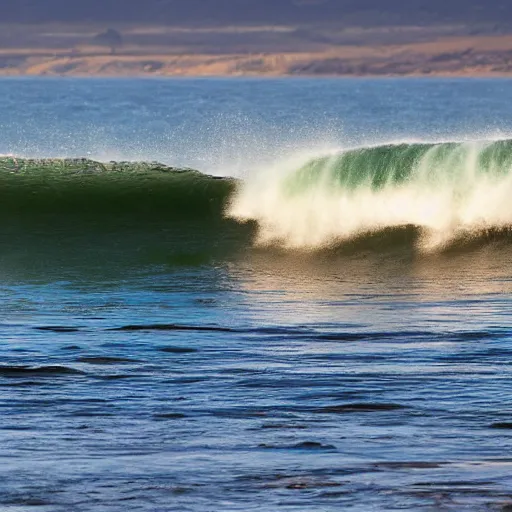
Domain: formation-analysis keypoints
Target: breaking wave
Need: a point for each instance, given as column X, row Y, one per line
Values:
column 448, row 192
column 435, row 194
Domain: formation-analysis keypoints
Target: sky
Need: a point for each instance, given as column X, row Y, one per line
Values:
column 355, row 12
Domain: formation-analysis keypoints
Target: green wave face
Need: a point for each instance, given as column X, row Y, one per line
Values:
column 85, row 186
column 77, row 217
column 377, row 168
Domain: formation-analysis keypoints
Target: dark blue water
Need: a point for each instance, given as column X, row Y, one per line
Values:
column 157, row 364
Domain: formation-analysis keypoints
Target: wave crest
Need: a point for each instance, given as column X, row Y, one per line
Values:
column 62, row 186
column 447, row 191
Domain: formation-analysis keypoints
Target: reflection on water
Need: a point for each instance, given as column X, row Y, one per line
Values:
column 444, row 291
column 345, row 380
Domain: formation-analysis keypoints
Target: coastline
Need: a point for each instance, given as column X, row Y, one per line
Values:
column 365, row 54
column 131, row 68
column 120, row 66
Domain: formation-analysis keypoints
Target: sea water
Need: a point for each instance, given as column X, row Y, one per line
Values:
column 245, row 294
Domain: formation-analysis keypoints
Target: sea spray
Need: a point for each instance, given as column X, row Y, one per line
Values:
column 446, row 190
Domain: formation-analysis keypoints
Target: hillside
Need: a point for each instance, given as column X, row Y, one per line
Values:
column 256, row 37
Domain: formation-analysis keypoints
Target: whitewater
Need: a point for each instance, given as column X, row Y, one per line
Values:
column 447, row 190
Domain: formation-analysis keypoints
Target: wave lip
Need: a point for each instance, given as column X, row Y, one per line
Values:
column 448, row 191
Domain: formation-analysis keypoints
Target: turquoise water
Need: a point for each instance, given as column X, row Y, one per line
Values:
column 324, row 328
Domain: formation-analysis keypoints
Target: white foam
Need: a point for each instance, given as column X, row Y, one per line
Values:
column 446, row 199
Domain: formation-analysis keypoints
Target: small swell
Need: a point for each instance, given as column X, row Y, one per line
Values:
column 305, row 445
column 359, row 407
column 104, row 360
column 40, row 371
column 178, row 350
column 171, row 327
column 57, row 328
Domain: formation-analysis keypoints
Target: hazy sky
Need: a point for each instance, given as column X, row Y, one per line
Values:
column 267, row 11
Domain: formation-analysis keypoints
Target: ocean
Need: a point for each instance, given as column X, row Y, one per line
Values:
column 255, row 294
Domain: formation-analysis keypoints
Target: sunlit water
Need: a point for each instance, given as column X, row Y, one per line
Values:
column 155, row 364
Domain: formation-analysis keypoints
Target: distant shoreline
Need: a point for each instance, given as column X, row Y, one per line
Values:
column 255, row 65
column 262, row 77
column 445, row 75
column 117, row 67
column 443, row 51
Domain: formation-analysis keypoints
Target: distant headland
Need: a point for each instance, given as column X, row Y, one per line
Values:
column 260, row 38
